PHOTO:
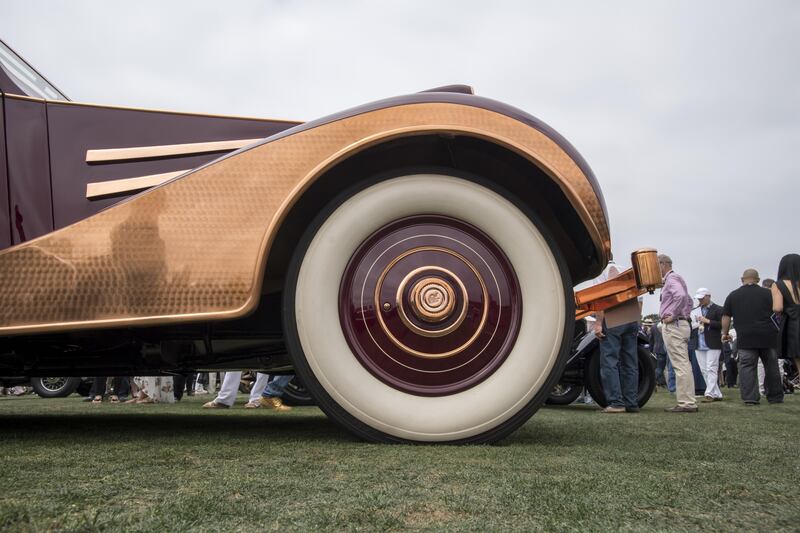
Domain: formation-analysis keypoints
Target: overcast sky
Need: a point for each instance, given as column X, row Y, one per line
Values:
column 688, row 112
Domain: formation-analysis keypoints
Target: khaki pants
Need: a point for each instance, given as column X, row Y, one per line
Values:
column 676, row 339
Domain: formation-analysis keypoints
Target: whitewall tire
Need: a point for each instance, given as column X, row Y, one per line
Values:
column 476, row 335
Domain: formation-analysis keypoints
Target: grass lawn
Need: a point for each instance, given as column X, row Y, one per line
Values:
column 70, row 466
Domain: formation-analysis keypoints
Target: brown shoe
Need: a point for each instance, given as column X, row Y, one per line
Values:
column 252, row 405
column 274, row 403
column 611, row 409
column 214, row 405
column 707, row 399
column 682, row 409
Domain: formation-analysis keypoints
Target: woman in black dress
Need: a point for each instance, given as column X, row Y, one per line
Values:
column 786, row 300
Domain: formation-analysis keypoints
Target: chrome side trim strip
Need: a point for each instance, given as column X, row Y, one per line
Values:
column 141, row 152
column 99, row 189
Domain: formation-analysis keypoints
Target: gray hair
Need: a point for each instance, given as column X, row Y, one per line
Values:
column 664, row 258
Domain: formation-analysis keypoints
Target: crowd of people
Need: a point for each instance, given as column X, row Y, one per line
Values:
column 741, row 340
column 265, row 392
column 16, row 390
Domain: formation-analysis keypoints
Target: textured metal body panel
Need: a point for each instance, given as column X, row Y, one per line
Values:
column 194, row 248
column 28, row 168
column 5, row 219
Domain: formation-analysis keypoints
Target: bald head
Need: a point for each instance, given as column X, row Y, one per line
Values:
column 750, row 276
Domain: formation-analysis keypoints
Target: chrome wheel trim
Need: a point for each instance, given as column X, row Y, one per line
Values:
column 53, row 384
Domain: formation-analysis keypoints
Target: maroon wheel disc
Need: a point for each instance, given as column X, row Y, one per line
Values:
column 430, row 305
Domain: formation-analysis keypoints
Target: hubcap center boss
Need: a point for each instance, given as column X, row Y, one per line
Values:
column 432, row 300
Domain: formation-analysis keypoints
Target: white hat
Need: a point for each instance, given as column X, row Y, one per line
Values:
column 701, row 293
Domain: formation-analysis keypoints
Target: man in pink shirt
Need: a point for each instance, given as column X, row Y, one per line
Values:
column 676, row 305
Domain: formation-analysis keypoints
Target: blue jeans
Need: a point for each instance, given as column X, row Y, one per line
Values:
column 619, row 366
column 670, row 377
column 276, row 386
column 699, row 382
column 661, row 365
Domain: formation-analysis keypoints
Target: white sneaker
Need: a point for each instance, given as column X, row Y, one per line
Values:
column 214, row 404
column 200, row 390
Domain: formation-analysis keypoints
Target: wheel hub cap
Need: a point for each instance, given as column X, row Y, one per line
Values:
column 430, row 305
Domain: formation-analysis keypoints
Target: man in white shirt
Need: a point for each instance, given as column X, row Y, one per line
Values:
column 707, row 319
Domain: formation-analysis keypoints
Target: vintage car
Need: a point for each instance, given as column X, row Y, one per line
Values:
column 412, row 259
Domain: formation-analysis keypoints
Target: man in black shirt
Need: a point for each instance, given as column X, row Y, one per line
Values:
column 750, row 306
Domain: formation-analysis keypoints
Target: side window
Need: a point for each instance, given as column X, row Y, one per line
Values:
column 25, row 77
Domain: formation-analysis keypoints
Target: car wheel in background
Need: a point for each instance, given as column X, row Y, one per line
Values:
column 55, row 387
column 647, row 377
column 296, row 394
column 564, row 394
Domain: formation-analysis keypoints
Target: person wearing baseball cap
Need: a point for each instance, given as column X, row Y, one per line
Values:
column 708, row 320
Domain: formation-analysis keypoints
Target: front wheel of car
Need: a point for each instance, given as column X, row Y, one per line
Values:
column 428, row 308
